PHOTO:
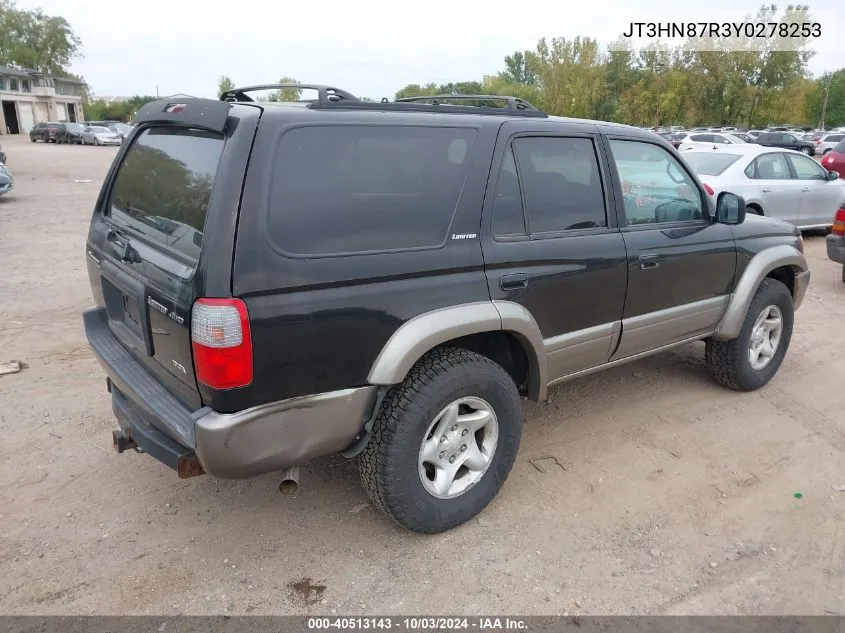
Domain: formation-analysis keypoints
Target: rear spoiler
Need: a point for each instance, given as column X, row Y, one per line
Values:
column 208, row 114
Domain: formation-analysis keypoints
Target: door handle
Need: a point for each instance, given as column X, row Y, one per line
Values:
column 649, row 261
column 767, row 190
column 514, row 281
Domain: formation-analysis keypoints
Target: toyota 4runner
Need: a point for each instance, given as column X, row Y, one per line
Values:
column 280, row 281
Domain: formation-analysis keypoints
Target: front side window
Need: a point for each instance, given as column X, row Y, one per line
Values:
column 806, row 168
column 357, row 189
column 655, row 188
column 163, row 186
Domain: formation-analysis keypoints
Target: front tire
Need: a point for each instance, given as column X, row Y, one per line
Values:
column 443, row 442
column 750, row 360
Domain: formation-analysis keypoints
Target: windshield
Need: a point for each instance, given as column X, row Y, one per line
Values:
column 100, row 130
column 75, row 127
column 736, row 139
column 708, row 164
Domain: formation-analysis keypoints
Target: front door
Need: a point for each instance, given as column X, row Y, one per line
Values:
column 681, row 265
column 550, row 243
column 820, row 197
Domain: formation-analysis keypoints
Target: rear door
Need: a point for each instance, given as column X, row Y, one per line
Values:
column 151, row 243
column 551, row 242
column 780, row 191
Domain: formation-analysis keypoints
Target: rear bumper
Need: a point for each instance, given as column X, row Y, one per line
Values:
column 229, row 445
column 836, row 248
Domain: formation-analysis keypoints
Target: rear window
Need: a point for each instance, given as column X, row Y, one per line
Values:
column 357, row 189
column 709, row 164
column 164, row 185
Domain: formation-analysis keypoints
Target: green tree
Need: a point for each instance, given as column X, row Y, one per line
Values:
column 32, row 39
column 283, row 94
column 224, row 84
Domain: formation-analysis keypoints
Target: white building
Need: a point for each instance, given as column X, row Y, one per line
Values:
column 28, row 97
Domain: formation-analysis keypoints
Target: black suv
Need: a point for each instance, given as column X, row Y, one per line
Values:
column 786, row 140
column 280, row 281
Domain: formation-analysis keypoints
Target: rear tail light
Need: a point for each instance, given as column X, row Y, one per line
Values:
column 708, row 189
column 839, row 222
column 222, row 343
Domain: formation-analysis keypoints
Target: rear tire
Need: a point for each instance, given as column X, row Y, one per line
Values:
column 765, row 333
column 806, row 151
column 427, row 424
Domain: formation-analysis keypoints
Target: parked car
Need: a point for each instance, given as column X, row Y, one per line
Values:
column 121, row 129
column 782, row 184
column 827, row 142
column 96, row 135
column 786, row 140
column 834, row 160
column 6, row 180
column 45, row 132
column 754, row 133
column 352, row 282
column 836, row 240
column 70, row 133
column 708, row 139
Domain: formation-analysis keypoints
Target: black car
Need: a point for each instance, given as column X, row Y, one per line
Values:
column 44, row 131
column 277, row 282
column 786, row 140
column 70, row 133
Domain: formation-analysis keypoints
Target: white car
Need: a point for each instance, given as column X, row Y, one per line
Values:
column 707, row 140
column 827, row 142
column 96, row 135
column 775, row 182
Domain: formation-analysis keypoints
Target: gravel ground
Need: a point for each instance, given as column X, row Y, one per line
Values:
column 657, row 492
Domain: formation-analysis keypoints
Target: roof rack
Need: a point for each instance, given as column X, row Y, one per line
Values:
column 435, row 103
column 513, row 103
column 325, row 94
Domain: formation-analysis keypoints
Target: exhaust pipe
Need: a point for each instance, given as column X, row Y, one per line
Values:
column 290, row 481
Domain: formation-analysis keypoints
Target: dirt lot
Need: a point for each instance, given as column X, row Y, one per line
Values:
column 659, row 491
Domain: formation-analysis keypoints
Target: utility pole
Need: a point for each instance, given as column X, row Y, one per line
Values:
column 824, row 103
column 156, row 92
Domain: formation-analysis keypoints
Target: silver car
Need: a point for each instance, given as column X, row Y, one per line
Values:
column 828, row 141
column 775, row 182
column 96, row 135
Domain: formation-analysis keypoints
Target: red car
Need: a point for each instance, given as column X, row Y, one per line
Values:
column 834, row 160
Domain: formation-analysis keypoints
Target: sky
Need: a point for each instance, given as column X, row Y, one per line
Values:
column 370, row 48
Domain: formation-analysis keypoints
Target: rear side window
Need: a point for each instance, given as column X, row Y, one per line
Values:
column 561, row 184
column 164, row 185
column 357, row 189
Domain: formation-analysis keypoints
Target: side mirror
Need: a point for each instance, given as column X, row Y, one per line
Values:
column 832, row 175
column 730, row 208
